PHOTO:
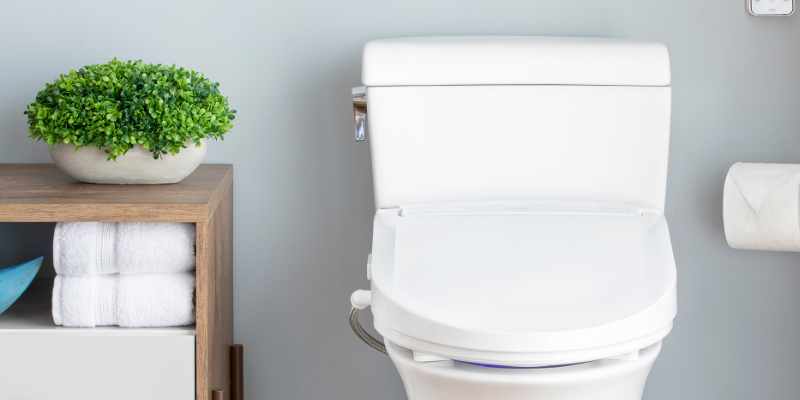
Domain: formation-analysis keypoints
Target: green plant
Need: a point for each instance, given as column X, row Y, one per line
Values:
column 116, row 105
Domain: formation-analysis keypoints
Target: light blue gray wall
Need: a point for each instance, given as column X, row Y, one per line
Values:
column 303, row 190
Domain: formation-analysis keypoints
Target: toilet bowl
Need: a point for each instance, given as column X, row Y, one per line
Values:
column 451, row 380
column 520, row 249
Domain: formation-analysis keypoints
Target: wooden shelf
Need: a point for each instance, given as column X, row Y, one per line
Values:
column 42, row 193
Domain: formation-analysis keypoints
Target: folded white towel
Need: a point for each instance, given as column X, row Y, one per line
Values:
column 760, row 206
column 132, row 301
column 98, row 248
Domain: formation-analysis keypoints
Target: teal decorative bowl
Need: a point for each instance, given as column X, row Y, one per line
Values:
column 14, row 280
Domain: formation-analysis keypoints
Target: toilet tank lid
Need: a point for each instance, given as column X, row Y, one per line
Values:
column 514, row 60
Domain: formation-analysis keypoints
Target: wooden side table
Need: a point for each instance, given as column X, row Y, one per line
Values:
column 42, row 193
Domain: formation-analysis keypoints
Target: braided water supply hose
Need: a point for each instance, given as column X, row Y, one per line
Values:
column 360, row 300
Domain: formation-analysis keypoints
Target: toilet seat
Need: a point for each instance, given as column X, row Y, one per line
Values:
column 523, row 284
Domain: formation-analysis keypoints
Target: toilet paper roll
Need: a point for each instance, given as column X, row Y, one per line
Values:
column 760, row 206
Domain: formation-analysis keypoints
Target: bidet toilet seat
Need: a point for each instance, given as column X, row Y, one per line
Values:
column 522, row 284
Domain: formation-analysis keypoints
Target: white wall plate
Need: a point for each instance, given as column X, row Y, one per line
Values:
column 770, row 7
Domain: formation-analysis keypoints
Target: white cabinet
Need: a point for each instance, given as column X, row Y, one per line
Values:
column 42, row 361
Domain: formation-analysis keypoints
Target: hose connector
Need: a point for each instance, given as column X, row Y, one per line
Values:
column 361, row 299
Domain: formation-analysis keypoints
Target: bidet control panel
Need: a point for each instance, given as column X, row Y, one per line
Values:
column 770, row 7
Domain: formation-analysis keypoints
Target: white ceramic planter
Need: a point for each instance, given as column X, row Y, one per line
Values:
column 90, row 164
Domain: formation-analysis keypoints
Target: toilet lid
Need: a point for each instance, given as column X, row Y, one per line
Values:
column 541, row 287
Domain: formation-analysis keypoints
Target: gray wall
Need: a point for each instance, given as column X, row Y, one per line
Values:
column 303, row 191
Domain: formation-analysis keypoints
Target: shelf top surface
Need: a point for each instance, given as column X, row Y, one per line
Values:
column 42, row 193
column 31, row 314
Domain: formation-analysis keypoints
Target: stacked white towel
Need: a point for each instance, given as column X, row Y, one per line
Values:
column 127, row 274
column 132, row 301
column 99, row 248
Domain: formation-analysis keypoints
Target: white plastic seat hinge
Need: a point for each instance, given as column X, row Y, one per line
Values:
column 632, row 356
column 422, row 357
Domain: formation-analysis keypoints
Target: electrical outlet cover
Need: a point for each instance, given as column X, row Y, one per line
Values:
column 770, row 7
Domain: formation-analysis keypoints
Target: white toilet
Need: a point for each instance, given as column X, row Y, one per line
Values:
column 520, row 249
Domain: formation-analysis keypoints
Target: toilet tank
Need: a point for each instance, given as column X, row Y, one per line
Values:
column 459, row 119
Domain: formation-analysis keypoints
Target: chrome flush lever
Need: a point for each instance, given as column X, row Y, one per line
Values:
column 360, row 111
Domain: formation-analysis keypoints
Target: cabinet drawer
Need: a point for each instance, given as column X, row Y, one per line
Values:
column 96, row 366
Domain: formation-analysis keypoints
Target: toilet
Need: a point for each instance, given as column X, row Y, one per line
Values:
column 520, row 249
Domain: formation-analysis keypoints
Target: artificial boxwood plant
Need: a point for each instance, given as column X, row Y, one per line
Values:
column 116, row 105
